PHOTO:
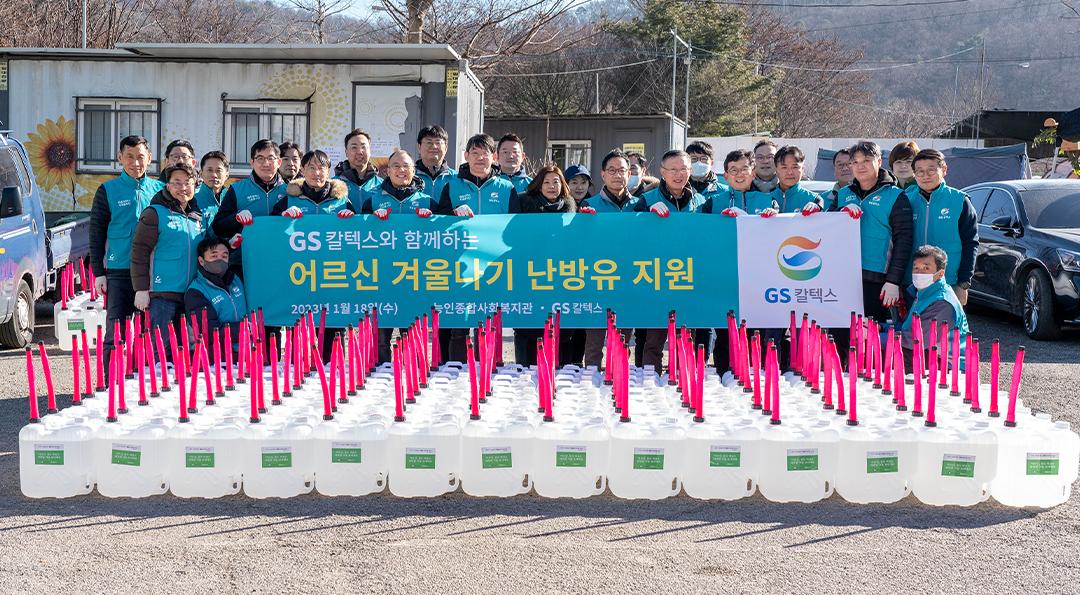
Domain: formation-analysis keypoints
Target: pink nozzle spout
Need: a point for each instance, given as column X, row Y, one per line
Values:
column 112, row 388
column 774, row 364
column 972, row 374
column 995, row 363
column 853, row 388
column 1014, row 391
column 32, row 383
column 47, row 369
column 139, row 354
column 755, row 356
column 931, row 399
column 161, row 360
column 76, row 398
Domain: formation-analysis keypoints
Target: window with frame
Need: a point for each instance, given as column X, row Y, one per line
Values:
column 565, row 153
column 249, row 121
column 102, row 121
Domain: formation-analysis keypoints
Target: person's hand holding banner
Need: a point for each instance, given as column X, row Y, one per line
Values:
column 810, row 209
column 345, row 214
column 660, row 209
column 234, row 242
column 854, row 211
column 463, row 211
column 293, row 213
column 423, row 213
column 890, row 294
column 382, row 214
column 766, row 213
column 244, row 217
column 588, row 210
column 733, row 212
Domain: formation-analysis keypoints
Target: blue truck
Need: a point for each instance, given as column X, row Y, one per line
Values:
column 35, row 246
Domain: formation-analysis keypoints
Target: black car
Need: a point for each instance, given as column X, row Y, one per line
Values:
column 1029, row 252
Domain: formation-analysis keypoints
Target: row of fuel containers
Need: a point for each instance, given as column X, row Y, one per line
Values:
column 652, row 447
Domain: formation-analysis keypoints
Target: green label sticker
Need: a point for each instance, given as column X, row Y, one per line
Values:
column 648, row 458
column 276, row 457
column 802, row 459
column 48, row 454
column 495, row 457
column 958, row 465
column 882, row 461
column 126, row 454
column 345, row 452
column 570, row 456
column 199, row 457
column 419, row 458
column 1042, row 463
column 76, row 324
column 725, row 455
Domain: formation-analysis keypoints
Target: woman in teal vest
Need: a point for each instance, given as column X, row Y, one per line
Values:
column 217, row 291
column 163, row 257
column 315, row 193
column 935, row 301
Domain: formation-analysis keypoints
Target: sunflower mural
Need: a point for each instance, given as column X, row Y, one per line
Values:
column 52, row 155
column 88, row 184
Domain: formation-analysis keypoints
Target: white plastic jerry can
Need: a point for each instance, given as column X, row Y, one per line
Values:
column 799, row 462
column 570, row 458
column 351, row 459
column 646, row 459
column 131, row 458
column 956, row 464
column 425, row 457
column 278, row 462
column 1037, row 465
column 877, row 462
column 204, row 460
column 496, row 457
column 56, row 457
column 722, row 459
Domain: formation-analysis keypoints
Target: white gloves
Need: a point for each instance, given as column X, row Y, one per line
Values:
column 100, row 284
column 890, row 294
column 463, row 211
column 810, row 209
column 660, row 209
column 853, row 210
column 423, row 213
column 345, row 214
column 244, row 217
column 142, row 300
column 733, row 212
column 382, row 214
column 234, row 242
column 588, row 210
column 769, row 212
column 291, row 213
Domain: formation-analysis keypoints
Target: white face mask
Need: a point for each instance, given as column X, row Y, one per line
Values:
column 921, row 280
column 634, row 181
column 699, row 169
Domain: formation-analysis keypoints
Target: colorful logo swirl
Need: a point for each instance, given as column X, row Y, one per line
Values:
column 802, row 264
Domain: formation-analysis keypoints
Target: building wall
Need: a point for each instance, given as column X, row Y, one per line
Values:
column 43, row 106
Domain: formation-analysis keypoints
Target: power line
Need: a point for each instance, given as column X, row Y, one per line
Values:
column 835, row 70
column 571, row 71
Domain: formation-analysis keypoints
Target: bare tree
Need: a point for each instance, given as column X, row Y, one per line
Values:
column 320, row 14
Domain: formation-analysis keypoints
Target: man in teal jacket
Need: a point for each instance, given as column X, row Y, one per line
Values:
column 254, row 196
column 511, row 157
column 935, row 301
column 674, row 194
column 431, row 167
column 113, row 216
column 702, row 178
column 789, row 194
column 944, row 217
column 740, row 198
column 214, row 171
column 218, row 291
column 357, row 171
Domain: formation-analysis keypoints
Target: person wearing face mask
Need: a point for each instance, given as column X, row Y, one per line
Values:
column 702, row 178
column 290, row 161
column 357, row 171
column 217, row 291
column 315, row 193
column 213, row 170
column 789, row 194
column 842, row 172
column 765, row 179
column 163, row 249
column 935, row 300
column 944, row 217
column 511, row 156
column 432, row 169
column 901, row 162
column 579, row 181
column 639, row 181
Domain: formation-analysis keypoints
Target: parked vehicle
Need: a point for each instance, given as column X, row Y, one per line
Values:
column 34, row 246
column 1029, row 252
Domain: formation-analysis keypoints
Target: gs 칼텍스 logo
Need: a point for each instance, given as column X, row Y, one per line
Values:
column 796, row 258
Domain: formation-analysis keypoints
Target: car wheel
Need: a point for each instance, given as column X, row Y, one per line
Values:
column 19, row 331
column 1037, row 307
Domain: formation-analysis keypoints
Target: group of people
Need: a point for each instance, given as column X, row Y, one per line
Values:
column 170, row 246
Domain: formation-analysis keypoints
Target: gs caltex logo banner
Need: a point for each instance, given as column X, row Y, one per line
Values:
column 808, row 264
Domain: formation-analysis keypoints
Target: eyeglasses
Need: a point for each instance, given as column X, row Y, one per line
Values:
column 622, row 171
column 764, row 157
column 261, row 160
column 401, row 167
column 842, row 165
column 681, row 170
column 927, row 173
column 740, row 171
column 182, row 185
column 316, row 167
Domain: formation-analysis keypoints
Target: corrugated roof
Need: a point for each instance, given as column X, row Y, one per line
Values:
column 237, row 52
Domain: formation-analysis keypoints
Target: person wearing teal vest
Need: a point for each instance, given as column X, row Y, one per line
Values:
column 702, row 178
column 884, row 215
column 511, row 158
column 357, row 171
column 163, row 255
column 113, row 216
column 675, row 193
column 944, row 217
column 789, row 195
column 214, row 171
column 740, row 198
column 291, row 155
column 935, row 301
column 315, row 193
column 217, row 291
column 254, row 196
column 841, row 165
column 483, row 193
column 431, row 168
column 402, row 192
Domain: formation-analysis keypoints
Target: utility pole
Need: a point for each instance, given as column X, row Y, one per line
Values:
column 84, row 24
column 675, row 41
column 952, row 110
column 598, row 92
column 978, row 116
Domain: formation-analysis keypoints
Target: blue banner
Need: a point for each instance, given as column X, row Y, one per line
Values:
column 639, row 265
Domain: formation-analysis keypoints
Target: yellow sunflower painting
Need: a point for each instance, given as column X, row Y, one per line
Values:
column 89, row 186
column 52, row 154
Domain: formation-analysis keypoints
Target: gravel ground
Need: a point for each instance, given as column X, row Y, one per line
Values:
column 528, row 544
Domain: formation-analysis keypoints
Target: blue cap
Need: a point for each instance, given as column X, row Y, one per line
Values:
column 576, row 170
